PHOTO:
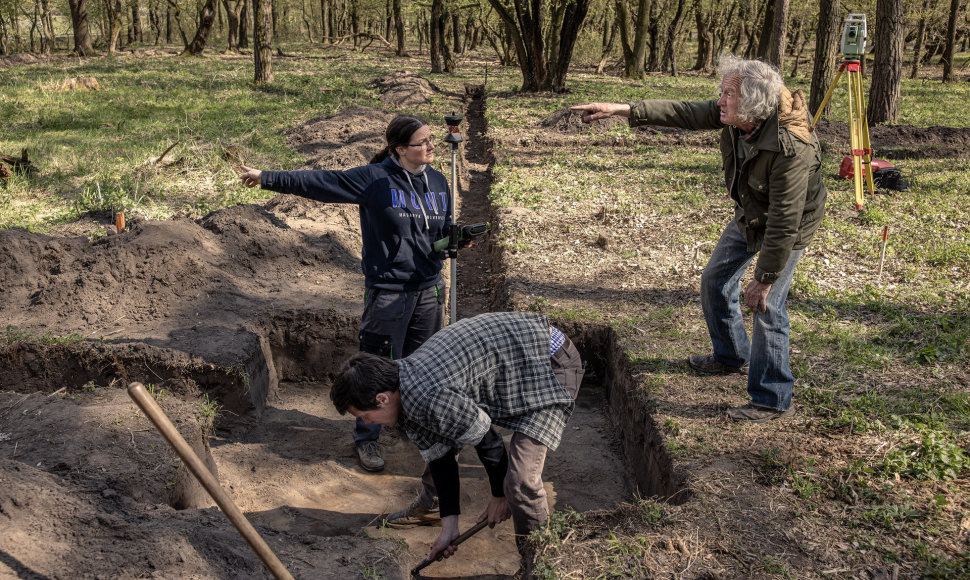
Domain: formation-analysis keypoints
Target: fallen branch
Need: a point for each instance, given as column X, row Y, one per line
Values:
column 164, row 153
column 369, row 35
column 22, row 165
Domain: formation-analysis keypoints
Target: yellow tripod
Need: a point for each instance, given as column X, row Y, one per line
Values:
column 858, row 128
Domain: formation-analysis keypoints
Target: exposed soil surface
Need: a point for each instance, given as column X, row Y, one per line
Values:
column 252, row 307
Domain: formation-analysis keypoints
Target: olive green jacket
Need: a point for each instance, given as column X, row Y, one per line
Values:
column 780, row 198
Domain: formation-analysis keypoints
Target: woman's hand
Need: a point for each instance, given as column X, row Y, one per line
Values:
column 595, row 111
column 250, row 177
column 496, row 511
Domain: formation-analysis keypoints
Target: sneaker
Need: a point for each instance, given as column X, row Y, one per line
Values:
column 756, row 414
column 370, row 456
column 705, row 363
column 412, row 516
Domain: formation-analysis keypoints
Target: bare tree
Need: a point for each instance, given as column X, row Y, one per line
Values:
column 951, row 32
column 920, row 39
column 525, row 21
column 263, row 41
column 114, row 24
column 669, row 57
column 207, row 16
column 633, row 37
column 826, row 51
column 399, row 28
column 82, row 34
column 233, row 15
column 887, row 70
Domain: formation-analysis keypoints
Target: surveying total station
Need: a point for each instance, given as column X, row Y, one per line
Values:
column 853, row 51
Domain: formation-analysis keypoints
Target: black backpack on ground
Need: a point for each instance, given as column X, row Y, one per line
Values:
column 890, row 178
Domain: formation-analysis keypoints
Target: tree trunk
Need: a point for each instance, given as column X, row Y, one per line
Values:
column 233, row 11
column 920, row 38
column 3, row 34
column 626, row 38
column 138, row 34
column 608, row 45
column 525, row 23
column 263, row 41
column 827, row 36
column 399, row 28
column 572, row 22
column 114, row 24
column 705, row 40
column 82, row 34
column 767, row 21
column 670, row 59
column 640, row 39
column 887, row 70
column 244, row 25
column 436, row 29
column 654, row 32
column 951, row 32
column 456, row 32
column 779, row 34
column 206, row 17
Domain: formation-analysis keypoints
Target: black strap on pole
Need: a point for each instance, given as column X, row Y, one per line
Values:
column 454, row 138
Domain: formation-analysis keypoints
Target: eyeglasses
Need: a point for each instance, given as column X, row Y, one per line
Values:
column 427, row 143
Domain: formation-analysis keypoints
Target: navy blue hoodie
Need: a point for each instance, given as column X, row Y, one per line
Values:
column 401, row 215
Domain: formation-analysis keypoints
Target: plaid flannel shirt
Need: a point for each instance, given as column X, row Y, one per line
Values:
column 490, row 368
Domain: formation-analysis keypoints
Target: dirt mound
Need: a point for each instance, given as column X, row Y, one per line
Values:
column 347, row 139
column 902, row 141
column 571, row 122
column 404, row 89
column 21, row 59
column 567, row 122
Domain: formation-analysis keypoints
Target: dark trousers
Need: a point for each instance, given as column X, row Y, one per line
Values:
column 394, row 325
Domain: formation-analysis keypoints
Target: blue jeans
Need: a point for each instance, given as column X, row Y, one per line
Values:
column 770, row 380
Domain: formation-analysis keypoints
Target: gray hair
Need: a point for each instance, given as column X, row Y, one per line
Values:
column 761, row 86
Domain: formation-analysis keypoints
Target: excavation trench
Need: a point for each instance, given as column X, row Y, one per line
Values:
column 266, row 352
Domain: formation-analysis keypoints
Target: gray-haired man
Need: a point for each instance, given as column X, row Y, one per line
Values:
column 771, row 162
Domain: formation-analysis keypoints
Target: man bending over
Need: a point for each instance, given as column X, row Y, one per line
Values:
column 511, row 369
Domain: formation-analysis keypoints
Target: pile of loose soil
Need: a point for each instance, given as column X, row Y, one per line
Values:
column 348, row 139
column 20, row 59
column 404, row 89
column 901, row 141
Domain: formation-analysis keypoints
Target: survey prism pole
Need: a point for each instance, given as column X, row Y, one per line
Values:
column 454, row 137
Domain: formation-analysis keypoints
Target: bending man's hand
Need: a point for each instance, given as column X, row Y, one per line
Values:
column 496, row 511
column 250, row 177
column 756, row 296
column 442, row 548
column 594, row 111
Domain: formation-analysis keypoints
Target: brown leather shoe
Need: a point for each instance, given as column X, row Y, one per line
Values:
column 756, row 414
column 706, row 364
column 412, row 516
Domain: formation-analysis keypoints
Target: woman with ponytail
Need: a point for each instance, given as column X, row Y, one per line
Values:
column 403, row 211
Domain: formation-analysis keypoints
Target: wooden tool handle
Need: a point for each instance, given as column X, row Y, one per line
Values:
column 157, row 416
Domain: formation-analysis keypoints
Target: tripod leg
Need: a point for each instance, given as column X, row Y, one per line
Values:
column 825, row 99
column 866, row 146
column 855, row 138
